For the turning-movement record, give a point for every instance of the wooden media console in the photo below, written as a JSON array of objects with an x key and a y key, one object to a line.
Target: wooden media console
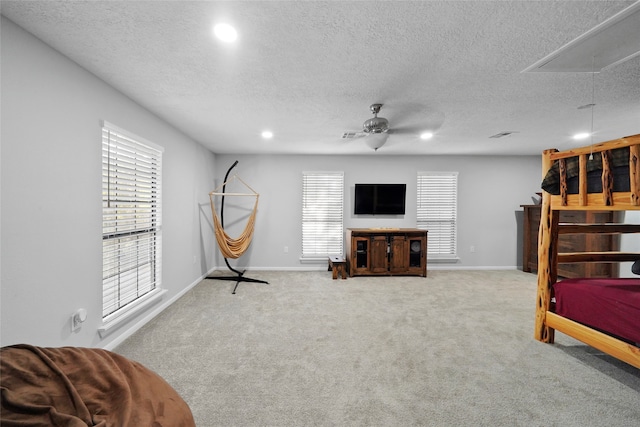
[{"x": 386, "y": 251}]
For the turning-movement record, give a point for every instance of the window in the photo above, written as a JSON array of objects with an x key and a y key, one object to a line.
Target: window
[
  {"x": 322, "y": 212},
  {"x": 437, "y": 212},
  {"x": 131, "y": 222}
]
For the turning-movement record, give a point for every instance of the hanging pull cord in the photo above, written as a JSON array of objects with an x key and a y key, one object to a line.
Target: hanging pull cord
[
  {"x": 593, "y": 100},
  {"x": 230, "y": 247}
]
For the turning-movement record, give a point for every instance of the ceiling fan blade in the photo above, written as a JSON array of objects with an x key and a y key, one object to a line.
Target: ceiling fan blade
[
  {"x": 431, "y": 121},
  {"x": 353, "y": 135},
  {"x": 402, "y": 111}
]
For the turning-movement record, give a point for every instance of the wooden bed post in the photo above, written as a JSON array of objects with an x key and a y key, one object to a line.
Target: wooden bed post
[
  {"x": 607, "y": 179},
  {"x": 547, "y": 258},
  {"x": 562, "y": 166},
  {"x": 582, "y": 176}
]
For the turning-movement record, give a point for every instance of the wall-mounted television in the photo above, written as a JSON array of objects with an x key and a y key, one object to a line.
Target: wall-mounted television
[{"x": 380, "y": 199}]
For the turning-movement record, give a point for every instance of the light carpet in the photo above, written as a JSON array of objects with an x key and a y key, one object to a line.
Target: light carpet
[{"x": 453, "y": 349}]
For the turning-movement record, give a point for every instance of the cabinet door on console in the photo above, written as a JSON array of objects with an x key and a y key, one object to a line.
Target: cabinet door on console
[
  {"x": 417, "y": 247},
  {"x": 360, "y": 255},
  {"x": 379, "y": 259},
  {"x": 399, "y": 254}
]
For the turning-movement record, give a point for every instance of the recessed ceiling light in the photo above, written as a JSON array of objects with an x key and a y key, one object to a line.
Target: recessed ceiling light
[
  {"x": 267, "y": 134},
  {"x": 225, "y": 32},
  {"x": 581, "y": 135},
  {"x": 426, "y": 135}
]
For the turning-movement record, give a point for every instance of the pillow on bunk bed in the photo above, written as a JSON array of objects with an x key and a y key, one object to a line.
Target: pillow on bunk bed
[{"x": 619, "y": 167}]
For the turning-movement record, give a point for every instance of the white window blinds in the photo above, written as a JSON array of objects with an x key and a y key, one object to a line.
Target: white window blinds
[
  {"x": 131, "y": 219},
  {"x": 437, "y": 212},
  {"x": 322, "y": 214}
]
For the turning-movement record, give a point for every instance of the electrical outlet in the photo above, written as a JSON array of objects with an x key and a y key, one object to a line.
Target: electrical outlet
[
  {"x": 75, "y": 323},
  {"x": 472, "y": 249},
  {"x": 286, "y": 249},
  {"x": 77, "y": 318}
]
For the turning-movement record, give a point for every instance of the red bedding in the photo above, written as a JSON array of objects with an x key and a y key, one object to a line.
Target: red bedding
[{"x": 609, "y": 305}]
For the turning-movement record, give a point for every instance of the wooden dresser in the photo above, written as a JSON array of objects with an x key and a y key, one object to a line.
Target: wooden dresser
[{"x": 571, "y": 242}]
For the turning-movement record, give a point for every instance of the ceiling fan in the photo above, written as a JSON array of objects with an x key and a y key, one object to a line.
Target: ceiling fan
[{"x": 377, "y": 129}]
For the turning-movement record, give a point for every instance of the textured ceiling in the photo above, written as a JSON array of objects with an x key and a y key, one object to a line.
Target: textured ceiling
[{"x": 308, "y": 71}]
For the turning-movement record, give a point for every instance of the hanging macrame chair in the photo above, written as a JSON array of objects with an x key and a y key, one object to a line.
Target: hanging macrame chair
[
  {"x": 230, "y": 247},
  {"x": 233, "y": 247}
]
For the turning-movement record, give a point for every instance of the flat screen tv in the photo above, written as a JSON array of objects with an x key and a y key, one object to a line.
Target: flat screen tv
[{"x": 380, "y": 199}]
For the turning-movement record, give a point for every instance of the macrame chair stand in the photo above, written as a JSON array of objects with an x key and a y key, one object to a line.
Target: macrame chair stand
[{"x": 233, "y": 248}]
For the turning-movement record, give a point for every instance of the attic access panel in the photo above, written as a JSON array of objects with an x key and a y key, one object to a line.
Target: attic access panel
[{"x": 609, "y": 43}]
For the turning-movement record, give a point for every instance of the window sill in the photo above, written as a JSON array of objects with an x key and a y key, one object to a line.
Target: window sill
[
  {"x": 314, "y": 260},
  {"x": 119, "y": 318},
  {"x": 443, "y": 260}
]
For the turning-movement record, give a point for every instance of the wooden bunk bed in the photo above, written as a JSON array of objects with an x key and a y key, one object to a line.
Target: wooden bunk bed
[{"x": 569, "y": 184}]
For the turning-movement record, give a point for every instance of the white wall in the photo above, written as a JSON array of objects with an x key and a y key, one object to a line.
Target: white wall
[
  {"x": 487, "y": 217},
  {"x": 51, "y": 196}
]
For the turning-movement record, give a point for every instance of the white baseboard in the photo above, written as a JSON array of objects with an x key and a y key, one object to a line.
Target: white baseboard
[{"x": 471, "y": 267}]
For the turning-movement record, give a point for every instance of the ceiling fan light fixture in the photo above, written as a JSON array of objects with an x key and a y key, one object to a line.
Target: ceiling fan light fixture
[
  {"x": 376, "y": 141},
  {"x": 376, "y": 125}
]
